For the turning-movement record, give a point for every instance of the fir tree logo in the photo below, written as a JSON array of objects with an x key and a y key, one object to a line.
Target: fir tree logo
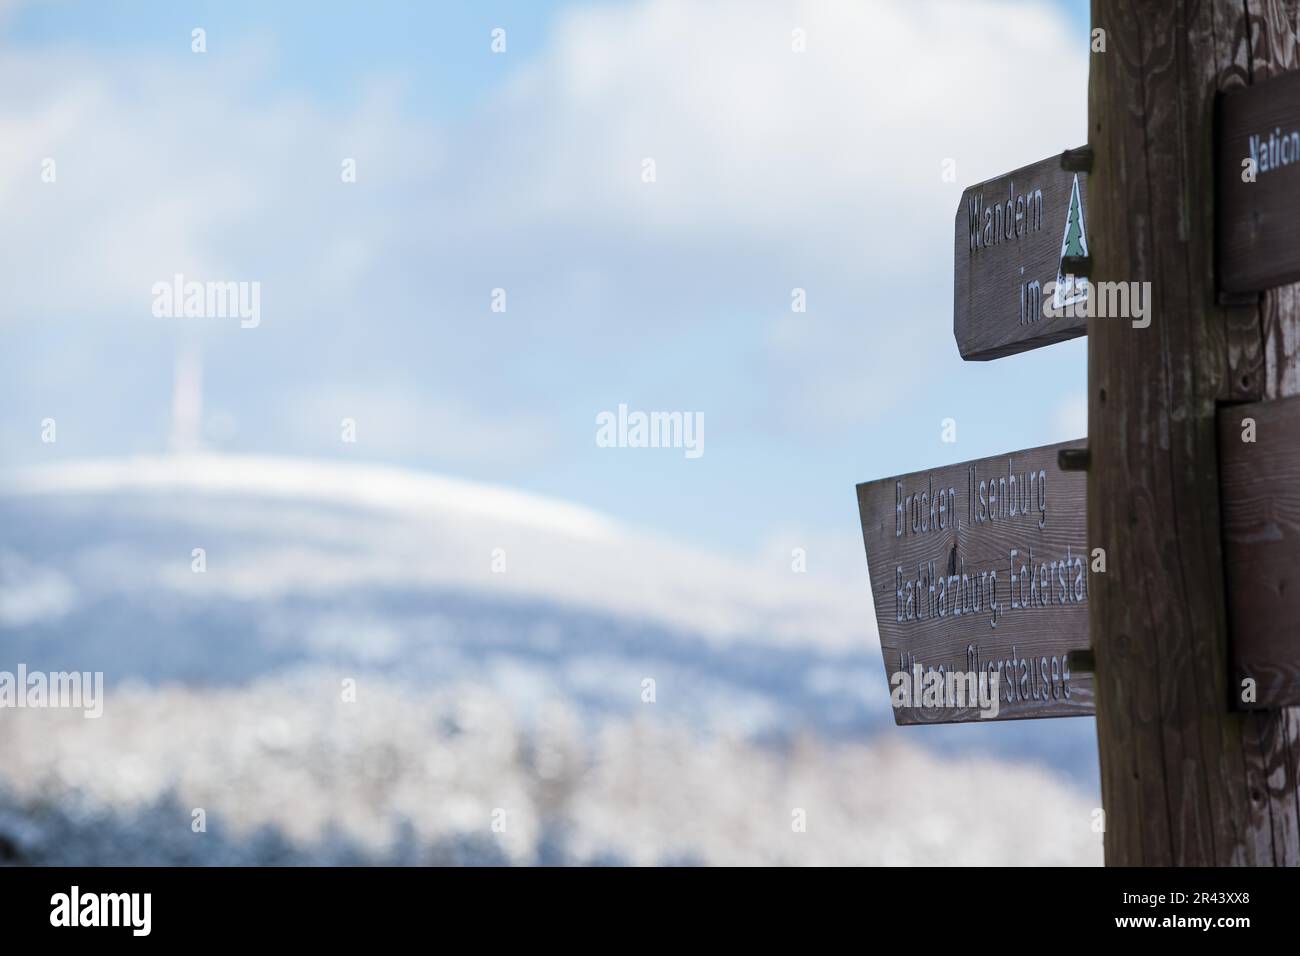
[{"x": 1072, "y": 289}]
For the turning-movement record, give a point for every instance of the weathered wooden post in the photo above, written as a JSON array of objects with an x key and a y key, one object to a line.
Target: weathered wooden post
[{"x": 1187, "y": 777}]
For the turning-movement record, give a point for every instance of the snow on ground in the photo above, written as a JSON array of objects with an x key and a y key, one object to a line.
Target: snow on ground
[
  {"x": 518, "y": 689},
  {"x": 287, "y": 772},
  {"x": 299, "y": 526}
]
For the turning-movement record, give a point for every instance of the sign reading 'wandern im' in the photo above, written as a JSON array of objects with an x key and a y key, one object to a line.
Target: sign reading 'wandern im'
[
  {"x": 1259, "y": 185},
  {"x": 981, "y": 568},
  {"x": 1011, "y": 290}
]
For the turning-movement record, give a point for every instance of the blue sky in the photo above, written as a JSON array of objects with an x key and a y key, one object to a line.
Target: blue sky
[{"x": 521, "y": 170}]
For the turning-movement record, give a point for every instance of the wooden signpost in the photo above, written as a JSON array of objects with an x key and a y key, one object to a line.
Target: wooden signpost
[
  {"x": 1259, "y": 186},
  {"x": 984, "y": 568},
  {"x": 1021, "y": 242},
  {"x": 981, "y": 568}
]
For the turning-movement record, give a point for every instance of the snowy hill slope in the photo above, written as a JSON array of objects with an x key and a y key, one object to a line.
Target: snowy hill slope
[{"x": 439, "y": 598}]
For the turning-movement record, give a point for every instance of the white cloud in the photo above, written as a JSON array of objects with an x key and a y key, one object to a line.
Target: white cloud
[
  {"x": 776, "y": 169},
  {"x": 161, "y": 171},
  {"x": 845, "y": 140}
]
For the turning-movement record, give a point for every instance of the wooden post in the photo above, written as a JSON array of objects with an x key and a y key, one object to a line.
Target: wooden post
[{"x": 1186, "y": 779}]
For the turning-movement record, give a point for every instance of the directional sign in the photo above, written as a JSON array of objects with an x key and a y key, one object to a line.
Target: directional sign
[
  {"x": 1259, "y": 185},
  {"x": 981, "y": 568},
  {"x": 1259, "y": 494},
  {"x": 1012, "y": 235}
]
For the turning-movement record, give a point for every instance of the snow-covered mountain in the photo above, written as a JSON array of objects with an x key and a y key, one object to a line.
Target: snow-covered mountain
[{"x": 533, "y": 682}]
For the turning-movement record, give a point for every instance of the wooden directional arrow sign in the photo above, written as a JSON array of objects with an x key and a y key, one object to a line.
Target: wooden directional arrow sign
[
  {"x": 1259, "y": 185},
  {"x": 1012, "y": 235},
  {"x": 982, "y": 568}
]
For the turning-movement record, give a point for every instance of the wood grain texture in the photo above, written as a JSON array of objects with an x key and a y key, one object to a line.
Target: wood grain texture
[
  {"x": 1260, "y": 489},
  {"x": 942, "y": 548},
  {"x": 1274, "y": 782},
  {"x": 993, "y": 314},
  {"x": 1231, "y": 70},
  {"x": 1185, "y": 779}
]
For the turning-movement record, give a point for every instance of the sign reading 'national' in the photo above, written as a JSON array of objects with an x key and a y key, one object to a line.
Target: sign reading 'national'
[
  {"x": 979, "y": 573},
  {"x": 1016, "y": 236},
  {"x": 1259, "y": 186}
]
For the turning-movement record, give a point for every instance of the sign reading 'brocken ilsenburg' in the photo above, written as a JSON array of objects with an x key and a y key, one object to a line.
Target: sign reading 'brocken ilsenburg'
[
  {"x": 982, "y": 568},
  {"x": 1011, "y": 292}
]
